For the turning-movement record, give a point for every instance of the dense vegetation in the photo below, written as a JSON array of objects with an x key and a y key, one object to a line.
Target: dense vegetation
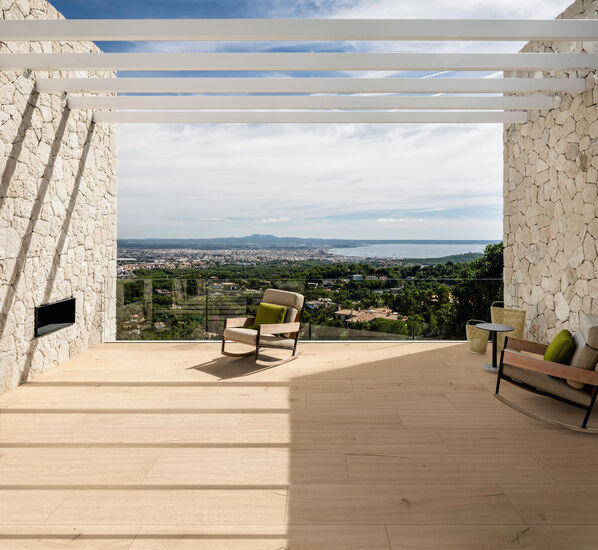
[
  {"x": 313, "y": 270},
  {"x": 431, "y": 301}
]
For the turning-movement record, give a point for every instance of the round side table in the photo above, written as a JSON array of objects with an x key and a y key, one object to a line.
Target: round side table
[{"x": 494, "y": 328}]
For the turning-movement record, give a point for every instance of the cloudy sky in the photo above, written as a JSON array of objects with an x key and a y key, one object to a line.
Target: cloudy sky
[{"x": 352, "y": 180}]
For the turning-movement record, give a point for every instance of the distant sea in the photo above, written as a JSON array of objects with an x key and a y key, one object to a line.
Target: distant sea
[{"x": 409, "y": 250}]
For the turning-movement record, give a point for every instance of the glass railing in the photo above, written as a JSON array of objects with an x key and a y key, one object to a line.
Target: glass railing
[{"x": 335, "y": 309}]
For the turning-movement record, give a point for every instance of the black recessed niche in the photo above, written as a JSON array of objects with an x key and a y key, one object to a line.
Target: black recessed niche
[{"x": 52, "y": 317}]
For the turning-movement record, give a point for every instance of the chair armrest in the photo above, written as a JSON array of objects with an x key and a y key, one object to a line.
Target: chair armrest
[
  {"x": 516, "y": 359},
  {"x": 282, "y": 328},
  {"x": 519, "y": 344},
  {"x": 238, "y": 322}
]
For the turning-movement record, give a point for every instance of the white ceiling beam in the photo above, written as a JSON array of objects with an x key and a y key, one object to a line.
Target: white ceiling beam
[
  {"x": 310, "y": 102},
  {"x": 251, "y": 117},
  {"x": 298, "y": 61},
  {"x": 309, "y": 85},
  {"x": 300, "y": 29}
]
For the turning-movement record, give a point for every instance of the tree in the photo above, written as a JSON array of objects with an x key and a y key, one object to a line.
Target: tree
[
  {"x": 443, "y": 293},
  {"x": 132, "y": 291},
  {"x": 481, "y": 284}
]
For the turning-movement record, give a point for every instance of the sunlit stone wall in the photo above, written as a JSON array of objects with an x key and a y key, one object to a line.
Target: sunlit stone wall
[
  {"x": 551, "y": 201},
  {"x": 57, "y": 212}
]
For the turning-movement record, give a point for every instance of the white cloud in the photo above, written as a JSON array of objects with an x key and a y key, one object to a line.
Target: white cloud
[
  {"x": 446, "y": 9},
  {"x": 173, "y": 181},
  {"x": 282, "y": 219},
  {"x": 400, "y": 220}
]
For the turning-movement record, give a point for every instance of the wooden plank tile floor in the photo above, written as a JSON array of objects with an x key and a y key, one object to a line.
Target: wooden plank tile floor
[{"x": 139, "y": 446}]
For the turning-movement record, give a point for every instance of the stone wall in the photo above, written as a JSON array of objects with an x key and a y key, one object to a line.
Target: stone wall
[
  {"x": 57, "y": 212},
  {"x": 551, "y": 201}
]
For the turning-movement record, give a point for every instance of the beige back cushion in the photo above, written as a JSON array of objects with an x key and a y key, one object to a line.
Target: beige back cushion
[
  {"x": 589, "y": 329},
  {"x": 586, "y": 347},
  {"x": 291, "y": 300},
  {"x": 291, "y": 315}
]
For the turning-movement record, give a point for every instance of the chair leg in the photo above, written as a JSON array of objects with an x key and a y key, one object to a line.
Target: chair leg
[
  {"x": 500, "y": 368},
  {"x": 229, "y": 354},
  {"x": 262, "y": 363},
  {"x": 590, "y": 407},
  {"x": 256, "y": 354},
  {"x": 497, "y": 383}
]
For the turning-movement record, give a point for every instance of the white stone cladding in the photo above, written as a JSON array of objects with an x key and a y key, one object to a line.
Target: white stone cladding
[
  {"x": 551, "y": 201},
  {"x": 57, "y": 212}
]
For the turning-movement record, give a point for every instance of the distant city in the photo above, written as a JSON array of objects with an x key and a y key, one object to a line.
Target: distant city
[
  {"x": 131, "y": 259},
  {"x": 150, "y": 254}
]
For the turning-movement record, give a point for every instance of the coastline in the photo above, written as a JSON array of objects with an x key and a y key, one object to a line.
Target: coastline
[{"x": 409, "y": 250}]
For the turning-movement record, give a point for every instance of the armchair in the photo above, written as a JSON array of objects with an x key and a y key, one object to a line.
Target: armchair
[
  {"x": 278, "y": 336},
  {"x": 574, "y": 385}
]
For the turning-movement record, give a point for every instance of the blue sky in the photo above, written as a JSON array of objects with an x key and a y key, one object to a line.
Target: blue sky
[{"x": 355, "y": 181}]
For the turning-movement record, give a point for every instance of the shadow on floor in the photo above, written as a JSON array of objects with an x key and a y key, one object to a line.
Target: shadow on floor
[
  {"x": 410, "y": 449},
  {"x": 226, "y": 368}
]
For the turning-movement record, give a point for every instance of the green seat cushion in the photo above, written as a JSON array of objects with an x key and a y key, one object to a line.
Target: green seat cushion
[
  {"x": 269, "y": 314},
  {"x": 561, "y": 348}
]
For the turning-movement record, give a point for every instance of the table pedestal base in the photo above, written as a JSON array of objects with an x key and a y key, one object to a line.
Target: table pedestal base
[
  {"x": 489, "y": 368},
  {"x": 494, "y": 329}
]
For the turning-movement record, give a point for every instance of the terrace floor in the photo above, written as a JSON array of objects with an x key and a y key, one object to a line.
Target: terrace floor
[{"x": 352, "y": 446}]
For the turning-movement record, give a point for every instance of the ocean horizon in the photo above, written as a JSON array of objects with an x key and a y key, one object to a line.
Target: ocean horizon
[{"x": 410, "y": 250}]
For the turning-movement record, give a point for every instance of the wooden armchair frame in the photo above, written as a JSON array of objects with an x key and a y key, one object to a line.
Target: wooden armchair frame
[
  {"x": 511, "y": 355},
  {"x": 292, "y": 329}
]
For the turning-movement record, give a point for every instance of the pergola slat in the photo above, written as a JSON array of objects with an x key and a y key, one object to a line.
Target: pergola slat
[
  {"x": 299, "y": 61},
  {"x": 309, "y": 102},
  {"x": 250, "y": 117},
  {"x": 300, "y": 29},
  {"x": 310, "y": 85}
]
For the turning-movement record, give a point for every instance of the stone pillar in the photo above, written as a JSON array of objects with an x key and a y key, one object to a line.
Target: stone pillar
[
  {"x": 551, "y": 200},
  {"x": 57, "y": 212}
]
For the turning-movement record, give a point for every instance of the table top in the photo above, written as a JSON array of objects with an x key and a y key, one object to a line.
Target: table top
[{"x": 495, "y": 327}]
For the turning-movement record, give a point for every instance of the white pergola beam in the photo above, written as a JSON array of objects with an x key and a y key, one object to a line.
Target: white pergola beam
[
  {"x": 300, "y": 29},
  {"x": 309, "y": 85},
  {"x": 298, "y": 61},
  {"x": 309, "y": 102},
  {"x": 252, "y": 117}
]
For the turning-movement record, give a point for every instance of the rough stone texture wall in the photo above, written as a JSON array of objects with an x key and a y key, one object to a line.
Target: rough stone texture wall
[
  {"x": 57, "y": 212},
  {"x": 551, "y": 201}
]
